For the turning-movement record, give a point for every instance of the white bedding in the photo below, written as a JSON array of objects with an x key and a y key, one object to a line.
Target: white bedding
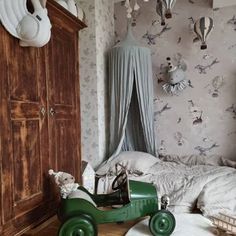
[
  {"x": 186, "y": 225},
  {"x": 192, "y": 181}
]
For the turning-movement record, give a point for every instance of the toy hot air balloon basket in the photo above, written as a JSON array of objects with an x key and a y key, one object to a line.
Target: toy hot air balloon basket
[{"x": 203, "y": 47}]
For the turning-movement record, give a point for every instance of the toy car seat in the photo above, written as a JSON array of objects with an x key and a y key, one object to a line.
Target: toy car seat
[{"x": 120, "y": 196}]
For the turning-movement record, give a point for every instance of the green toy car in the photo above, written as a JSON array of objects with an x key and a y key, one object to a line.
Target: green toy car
[{"x": 81, "y": 215}]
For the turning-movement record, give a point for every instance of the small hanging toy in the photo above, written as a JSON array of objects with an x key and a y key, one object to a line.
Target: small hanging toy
[
  {"x": 176, "y": 81},
  {"x": 129, "y": 8}
]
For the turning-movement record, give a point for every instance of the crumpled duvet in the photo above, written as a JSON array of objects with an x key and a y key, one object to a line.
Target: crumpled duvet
[{"x": 195, "y": 181}]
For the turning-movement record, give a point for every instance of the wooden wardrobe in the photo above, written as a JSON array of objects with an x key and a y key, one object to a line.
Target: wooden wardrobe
[{"x": 39, "y": 121}]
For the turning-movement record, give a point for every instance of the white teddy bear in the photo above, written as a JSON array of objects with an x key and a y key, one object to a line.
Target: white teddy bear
[{"x": 65, "y": 181}]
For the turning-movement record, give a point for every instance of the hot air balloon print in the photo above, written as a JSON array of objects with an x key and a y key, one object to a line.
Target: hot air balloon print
[
  {"x": 160, "y": 9},
  {"x": 202, "y": 28},
  {"x": 168, "y": 4}
]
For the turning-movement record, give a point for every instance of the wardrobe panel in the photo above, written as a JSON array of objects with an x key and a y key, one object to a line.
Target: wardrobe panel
[
  {"x": 27, "y": 159},
  {"x": 24, "y": 75},
  {"x": 62, "y": 79}
]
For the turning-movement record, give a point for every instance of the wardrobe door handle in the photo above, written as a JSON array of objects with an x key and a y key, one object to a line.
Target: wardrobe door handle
[
  {"x": 52, "y": 111},
  {"x": 43, "y": 111}
]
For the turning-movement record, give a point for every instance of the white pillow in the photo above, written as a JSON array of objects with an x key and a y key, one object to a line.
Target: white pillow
[{"x": 131, "y": 160}]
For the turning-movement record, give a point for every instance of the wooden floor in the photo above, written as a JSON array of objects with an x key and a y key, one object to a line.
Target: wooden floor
[{"x": 50, "y": 228}]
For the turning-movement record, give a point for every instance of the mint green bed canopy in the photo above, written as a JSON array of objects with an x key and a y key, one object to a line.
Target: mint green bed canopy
[{"x": 131, "y": 98}]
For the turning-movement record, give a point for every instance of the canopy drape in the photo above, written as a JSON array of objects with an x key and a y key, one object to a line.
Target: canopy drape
[{"x": 131, "y": 98}]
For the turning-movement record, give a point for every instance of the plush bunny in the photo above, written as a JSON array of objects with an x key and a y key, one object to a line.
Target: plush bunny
[{"x": 65, "y": 181}]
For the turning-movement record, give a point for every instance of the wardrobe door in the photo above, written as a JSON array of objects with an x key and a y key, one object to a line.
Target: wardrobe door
[
  {"x": 24, "y": 144},
  {"x": 63, "y": 93}
]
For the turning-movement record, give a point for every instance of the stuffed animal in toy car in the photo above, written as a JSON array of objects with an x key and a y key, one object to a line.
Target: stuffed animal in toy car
[
  {"x": 65, "y": 181},
  {"x": 176, "y": 81}
]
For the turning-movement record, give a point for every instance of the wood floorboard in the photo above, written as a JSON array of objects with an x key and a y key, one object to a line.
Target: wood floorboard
[{"x": 103, "y": 230}]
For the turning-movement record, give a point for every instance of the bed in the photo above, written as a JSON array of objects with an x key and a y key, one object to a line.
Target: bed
[{"x": 206, "y": 184}]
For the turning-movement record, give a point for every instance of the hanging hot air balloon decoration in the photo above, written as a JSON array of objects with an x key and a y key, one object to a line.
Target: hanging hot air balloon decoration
[
  {"x": 202, "y": 28},
  {"x": 168, "y": 5},
  {"x": 164, "y": 8}
]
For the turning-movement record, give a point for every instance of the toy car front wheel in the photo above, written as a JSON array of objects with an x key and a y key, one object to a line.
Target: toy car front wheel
[
  {"x": 78, "y": 226},
  {"x": 162, "y": 223}
]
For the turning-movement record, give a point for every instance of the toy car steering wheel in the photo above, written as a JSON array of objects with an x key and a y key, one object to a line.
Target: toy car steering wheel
[{"x": 119, "y": 181}]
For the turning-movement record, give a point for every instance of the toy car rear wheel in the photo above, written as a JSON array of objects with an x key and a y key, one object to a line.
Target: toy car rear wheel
[
  {"x": 162, "y": 223},
  {"x": 78, "y": 226}
]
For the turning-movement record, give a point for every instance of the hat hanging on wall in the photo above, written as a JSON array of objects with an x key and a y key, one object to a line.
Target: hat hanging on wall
[
  {"x": 69, "y": 5},
  {"x": 203, "y": 28},
  {"x": 73, "y": 7}
]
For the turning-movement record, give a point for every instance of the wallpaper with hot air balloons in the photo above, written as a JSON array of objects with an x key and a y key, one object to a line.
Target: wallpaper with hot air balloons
[{"x": 201, "y": 119}]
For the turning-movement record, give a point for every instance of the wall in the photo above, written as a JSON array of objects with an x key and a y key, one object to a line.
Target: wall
[
  {"x": 202, "y": 119},
  {"x": 94, "y": 43},
  {"x": 105, "y": 40},
  {"x": 223, "y": 3}
]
